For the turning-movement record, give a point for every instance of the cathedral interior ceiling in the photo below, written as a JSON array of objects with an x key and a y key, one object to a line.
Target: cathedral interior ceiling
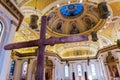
[{"x": 107, "y": 33}]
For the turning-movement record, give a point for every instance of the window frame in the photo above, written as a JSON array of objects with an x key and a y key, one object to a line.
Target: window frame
[
  {"x": 2, "y": 30},
  {"x": 93, "y": 70},
  {"x": 66, "y": 71},
  {"x": 12, "y": 69},
  {"x": 79, "y": 65},
  {"x": 22, "y": 71}
]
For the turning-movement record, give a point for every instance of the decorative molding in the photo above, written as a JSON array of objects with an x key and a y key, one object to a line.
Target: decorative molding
[
  {"x": 112, "y": 47},
  {"x": 13, "y": 10}
]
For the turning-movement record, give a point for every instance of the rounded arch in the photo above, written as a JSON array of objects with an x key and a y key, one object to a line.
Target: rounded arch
[{"x": 3, "y": 23}]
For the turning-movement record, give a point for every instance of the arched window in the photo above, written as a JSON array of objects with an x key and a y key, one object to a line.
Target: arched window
[
  {"x": 12, "y": 68},
  {"x": 66, "y": 71},
  {"x": 93, "y": 70},
  {"x": 79, "y": 70},
  {"x": 1, "y": 30},
  {"x": 24, "y": 69}
]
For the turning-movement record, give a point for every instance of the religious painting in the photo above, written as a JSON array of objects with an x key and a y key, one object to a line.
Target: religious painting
[
  {"x": 90, "y": 23},
  {"x": 113, "y": 71},
  {"x": 59, "y": 27},
  {"x": 112, "y": 66},
  {"x": 74, "y": 29},
  {"x": 48, "y": 73},
  {"x": 49, "y": 70}
]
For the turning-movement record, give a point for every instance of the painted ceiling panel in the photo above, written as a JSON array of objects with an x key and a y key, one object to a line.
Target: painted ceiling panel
[
  {"x": 41, "y": 4},
  {"x": 116, "y": 8}
]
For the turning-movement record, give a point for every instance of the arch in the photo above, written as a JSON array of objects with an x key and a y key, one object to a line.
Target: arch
[
  {"x": 2, "y": 28},
  {"x": 12, "y": 68},
  {"x": 3, "y": 24}
]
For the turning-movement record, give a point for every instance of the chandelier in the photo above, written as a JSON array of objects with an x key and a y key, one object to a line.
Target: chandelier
[{"x": 34, "y": 18}]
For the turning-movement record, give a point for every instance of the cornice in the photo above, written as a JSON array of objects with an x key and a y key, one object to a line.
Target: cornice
[
  {"x": 13, "y": 10},
  {"x": 101, "y": 51},
  {"x": 109, "y": 48}
]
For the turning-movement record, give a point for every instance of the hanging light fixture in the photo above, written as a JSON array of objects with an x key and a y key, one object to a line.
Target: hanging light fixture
[
  {"x": 94, "y": 36},
  {"x": 118, "y": 43},
  {"x": 34, "y": 18},
  {"x": 103, "y": 10}
]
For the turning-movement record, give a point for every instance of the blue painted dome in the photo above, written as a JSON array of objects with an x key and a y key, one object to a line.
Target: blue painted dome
[{"x": 71, "y": 9}]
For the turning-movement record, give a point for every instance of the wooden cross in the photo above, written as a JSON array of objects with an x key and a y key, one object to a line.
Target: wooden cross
[{"x": 41, "y": 43}]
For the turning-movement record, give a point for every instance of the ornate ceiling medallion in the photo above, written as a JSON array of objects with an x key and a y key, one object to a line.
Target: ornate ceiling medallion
[{"x": 71, "y": 10}]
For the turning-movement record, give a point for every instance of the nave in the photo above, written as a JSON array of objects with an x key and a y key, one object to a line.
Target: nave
[
  {"x": 95, "y": 57},
  {"x": 105, "y": 67}
]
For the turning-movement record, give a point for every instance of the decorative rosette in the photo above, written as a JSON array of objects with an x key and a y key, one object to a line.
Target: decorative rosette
[{"x": 71, "y": 9}]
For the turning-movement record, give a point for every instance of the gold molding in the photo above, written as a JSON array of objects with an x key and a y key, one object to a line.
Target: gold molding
[{"x": 112, "y": 47}]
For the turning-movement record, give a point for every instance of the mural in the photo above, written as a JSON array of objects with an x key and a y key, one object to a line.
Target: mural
[
  {"x": 112, "y": 66},
  {"x": 90, "y": 23},
  {"x": 74, "y": 29},
  {"x": 58, "y": 27},
  {"x": 113, "y": 71},
  {"x": 49, "y": 70}
]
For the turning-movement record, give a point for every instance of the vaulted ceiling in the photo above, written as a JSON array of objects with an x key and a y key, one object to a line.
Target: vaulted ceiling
[{"x": 108, "y": 30}]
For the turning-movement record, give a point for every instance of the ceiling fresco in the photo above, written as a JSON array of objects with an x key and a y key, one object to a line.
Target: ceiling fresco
[{"x": 107, "y": 30}]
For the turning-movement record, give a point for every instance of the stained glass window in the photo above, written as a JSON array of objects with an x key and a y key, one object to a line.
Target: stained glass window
[
  {"x": 24, "y": 69},
  {"x": 79, "y": 69},
  {"x": 1, "y": 29},
  {"x": 12, "y": 68},
  {"x": 93, "y": 70},
  {"x": 71, "y": 9},
  {"x": 66, "y": 71}
]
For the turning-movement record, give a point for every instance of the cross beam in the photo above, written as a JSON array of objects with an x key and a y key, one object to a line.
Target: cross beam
[
  {"x": 41, "y": 43},
  {"x": 50, "y": 41}
]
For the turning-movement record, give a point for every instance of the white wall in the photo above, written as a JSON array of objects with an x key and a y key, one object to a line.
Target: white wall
[
  {"x": 59, "y": 68},
  {"x": 10, "y": 29}
]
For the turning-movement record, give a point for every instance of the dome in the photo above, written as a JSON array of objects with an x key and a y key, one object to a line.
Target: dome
[{"x": 75, "y": 18}]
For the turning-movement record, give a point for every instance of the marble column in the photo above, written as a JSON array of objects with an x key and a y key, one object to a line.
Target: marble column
[
  {"x": 30, "y": 68},
  {"x": 18, "y": 69}
]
